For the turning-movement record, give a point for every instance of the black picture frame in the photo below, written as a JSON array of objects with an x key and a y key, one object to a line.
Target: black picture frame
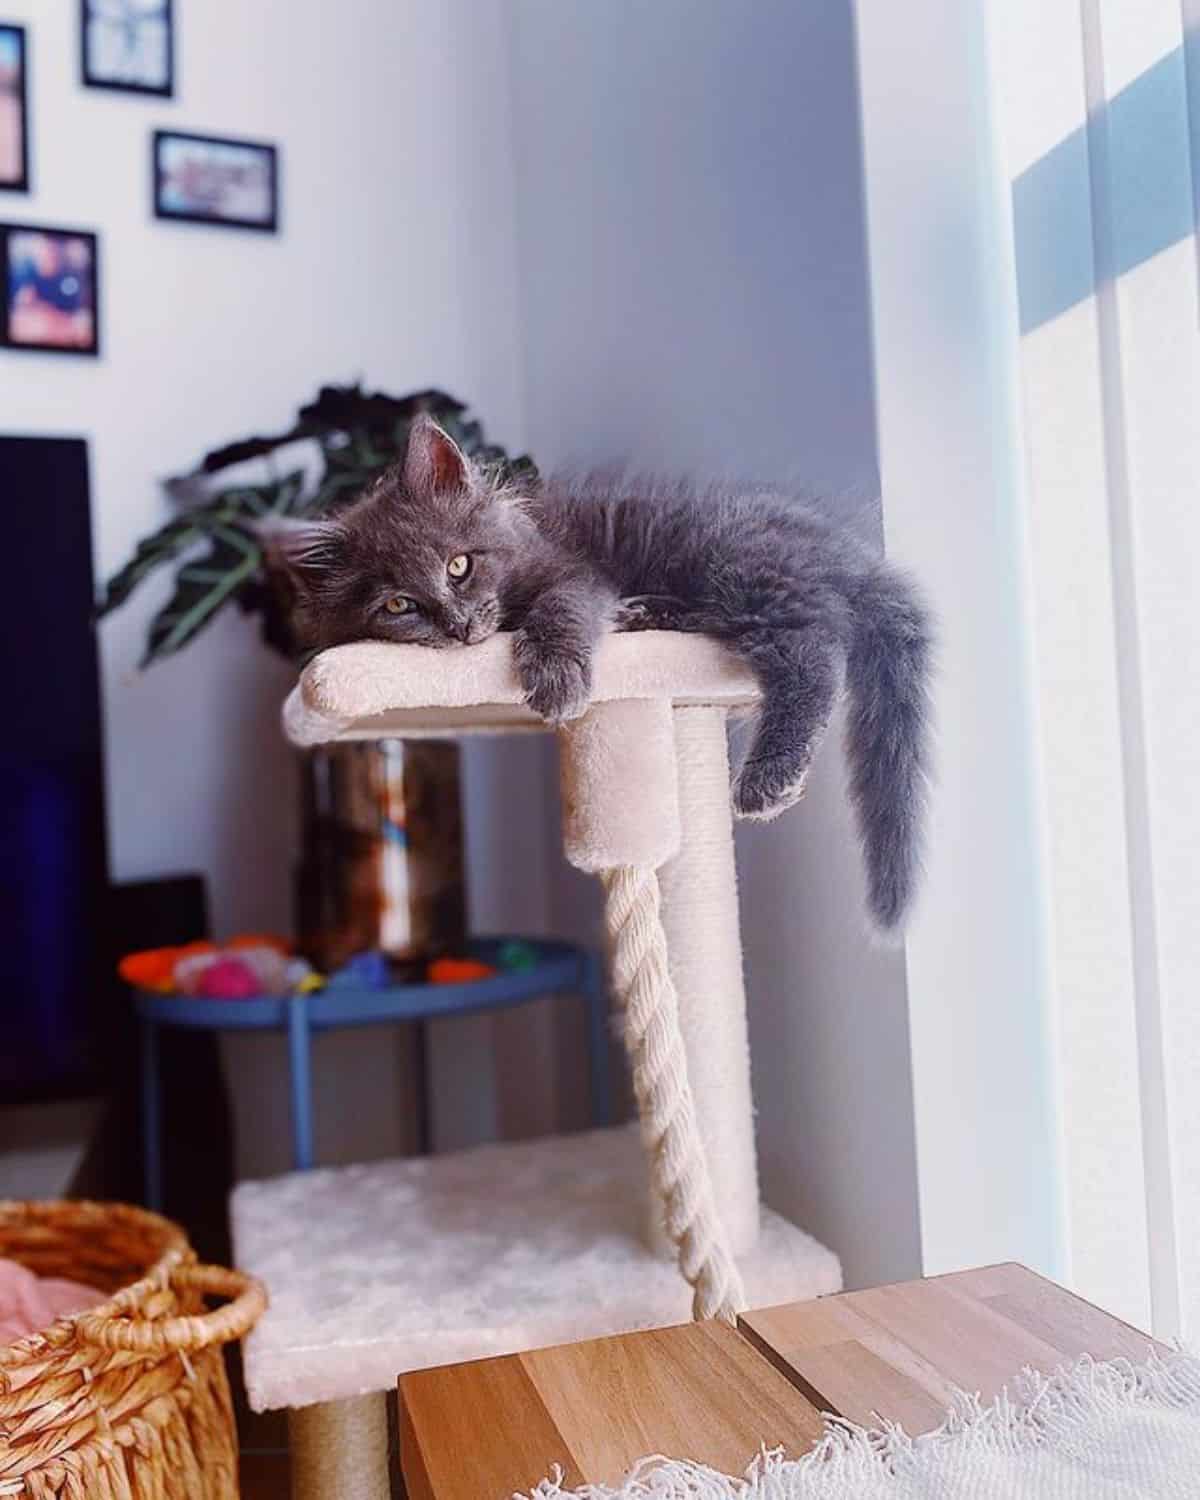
[
  {"x": 164, "y": 211},
  {"x": 92, "y": 80},
  {"x": 7, "y": 342},
  {"x": 20, "y": 184}
]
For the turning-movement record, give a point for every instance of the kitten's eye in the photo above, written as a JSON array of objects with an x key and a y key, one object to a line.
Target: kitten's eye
[
  {"x": 399, "y": 604},
  {"x": 459, "y": 567}
]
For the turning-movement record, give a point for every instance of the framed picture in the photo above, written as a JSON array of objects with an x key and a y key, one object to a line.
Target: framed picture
[
  {"x": 14, "y": 109},
  {"x": 205, "y": 179},
  {"x": 50, "y": 282},
  {"x": 129, "y": 45}
]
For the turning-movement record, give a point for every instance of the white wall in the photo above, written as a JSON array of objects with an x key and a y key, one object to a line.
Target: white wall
[
  {"x": 694, "y": 296},
  {"x": 396, "y": 264}
]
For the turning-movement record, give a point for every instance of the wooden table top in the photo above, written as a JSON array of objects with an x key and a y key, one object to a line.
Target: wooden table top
[{"x": 495, "y": 1427}]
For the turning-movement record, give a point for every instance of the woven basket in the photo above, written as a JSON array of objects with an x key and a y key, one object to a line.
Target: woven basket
[{"x": 129, "y": 1400}]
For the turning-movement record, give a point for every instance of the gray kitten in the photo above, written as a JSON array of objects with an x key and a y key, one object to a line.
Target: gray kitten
[{"x": 435, "y": 554}]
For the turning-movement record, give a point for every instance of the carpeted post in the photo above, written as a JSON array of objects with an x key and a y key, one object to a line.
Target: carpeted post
[{"x": 620, "y": 799}]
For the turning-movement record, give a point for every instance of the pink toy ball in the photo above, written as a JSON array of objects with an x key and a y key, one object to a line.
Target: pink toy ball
[{"x": 228, "y": 979}]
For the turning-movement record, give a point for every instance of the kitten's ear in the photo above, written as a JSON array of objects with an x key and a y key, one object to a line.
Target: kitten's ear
[{"x": 434, "y": 463}]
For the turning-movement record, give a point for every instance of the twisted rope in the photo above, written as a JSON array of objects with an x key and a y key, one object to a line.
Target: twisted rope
[{"x": 678, "y": 1166}]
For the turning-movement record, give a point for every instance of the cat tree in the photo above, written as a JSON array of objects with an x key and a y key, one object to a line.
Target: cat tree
[{"x": 645, "y": 783}]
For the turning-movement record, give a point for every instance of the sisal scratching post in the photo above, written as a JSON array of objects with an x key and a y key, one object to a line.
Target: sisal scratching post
[{"x": 340, "y": 1449}]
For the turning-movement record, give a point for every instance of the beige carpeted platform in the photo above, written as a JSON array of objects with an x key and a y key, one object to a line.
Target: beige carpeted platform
[
  {"x": 372, "y": 689},
  {"x": 398, "y": 1265}
]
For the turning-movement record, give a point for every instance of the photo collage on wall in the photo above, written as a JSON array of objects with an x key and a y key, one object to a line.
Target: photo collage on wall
[
  {"x": 50, "y": 274},
  {"x": 14, "y": 110}
]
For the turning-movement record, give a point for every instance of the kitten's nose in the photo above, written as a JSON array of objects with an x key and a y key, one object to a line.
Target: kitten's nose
[{"x": 460, "y": 630}]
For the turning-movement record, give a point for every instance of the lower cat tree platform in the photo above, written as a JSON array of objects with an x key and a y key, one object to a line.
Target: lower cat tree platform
[
  {"x": 377, "y": 1269},
  {"x": 399, "y": 1265}
]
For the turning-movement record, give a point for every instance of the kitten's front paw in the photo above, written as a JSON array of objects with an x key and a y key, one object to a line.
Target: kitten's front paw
[{"x": 557, "y": 687}]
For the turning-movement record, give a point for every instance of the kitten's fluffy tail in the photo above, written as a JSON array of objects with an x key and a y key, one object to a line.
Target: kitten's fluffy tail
[{"x": 887, "y": 738}]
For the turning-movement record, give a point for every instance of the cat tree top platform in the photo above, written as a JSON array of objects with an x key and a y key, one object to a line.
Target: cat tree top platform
[
  {"x": 398, "y": 1265},
  {"x": 371, "y": 690}
]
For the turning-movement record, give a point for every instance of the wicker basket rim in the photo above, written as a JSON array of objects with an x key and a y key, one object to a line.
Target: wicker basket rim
[
  {"x": 89, "y": 1213},
  {"x": 130, "y": 1397}
]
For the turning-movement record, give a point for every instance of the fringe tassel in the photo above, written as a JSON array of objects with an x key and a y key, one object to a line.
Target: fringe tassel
[{"x": 1066, "y": 1416}]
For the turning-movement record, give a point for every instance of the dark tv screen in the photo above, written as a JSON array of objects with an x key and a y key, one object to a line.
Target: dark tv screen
[{"x": 53, "y": 862}]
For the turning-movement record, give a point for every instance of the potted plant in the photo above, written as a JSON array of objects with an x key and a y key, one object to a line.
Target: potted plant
[{"x": 382, "y": 865}]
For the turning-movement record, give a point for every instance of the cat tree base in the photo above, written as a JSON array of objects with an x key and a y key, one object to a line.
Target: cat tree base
[
  {"x": 393, "y": 1266},
  {"x": 399, "y": 1265}
]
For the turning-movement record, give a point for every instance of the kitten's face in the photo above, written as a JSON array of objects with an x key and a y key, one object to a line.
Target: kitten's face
[{"x": 421, "y": 558}]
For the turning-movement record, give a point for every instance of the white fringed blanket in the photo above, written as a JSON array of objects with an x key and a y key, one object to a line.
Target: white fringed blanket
[{"x": 1111, "y": 1431}]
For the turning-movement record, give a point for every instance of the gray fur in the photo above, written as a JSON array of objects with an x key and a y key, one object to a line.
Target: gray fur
[{"x": 805, "y": 605}]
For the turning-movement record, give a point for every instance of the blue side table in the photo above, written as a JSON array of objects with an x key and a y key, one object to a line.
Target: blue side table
[{"x": 558, "y": 968}]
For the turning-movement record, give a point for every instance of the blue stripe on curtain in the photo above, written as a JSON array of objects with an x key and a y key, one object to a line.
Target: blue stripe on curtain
[{"x": 1148, "y": 131}]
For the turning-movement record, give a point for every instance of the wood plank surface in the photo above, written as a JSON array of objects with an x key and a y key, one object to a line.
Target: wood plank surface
[
  {"x": 898, "y": 1352},
  {"x": 497, "y": 1426}
]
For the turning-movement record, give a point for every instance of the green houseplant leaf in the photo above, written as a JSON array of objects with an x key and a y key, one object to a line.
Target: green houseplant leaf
[
  {"x": 228, "y": 508},
  {"x": 233, "y": 558},
  {"x": 201, "y": 588}
]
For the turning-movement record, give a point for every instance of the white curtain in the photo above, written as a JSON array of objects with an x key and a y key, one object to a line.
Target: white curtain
[
  {"x": 1096, "y": 112},
  {"x": 1031, "y": 190}
]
